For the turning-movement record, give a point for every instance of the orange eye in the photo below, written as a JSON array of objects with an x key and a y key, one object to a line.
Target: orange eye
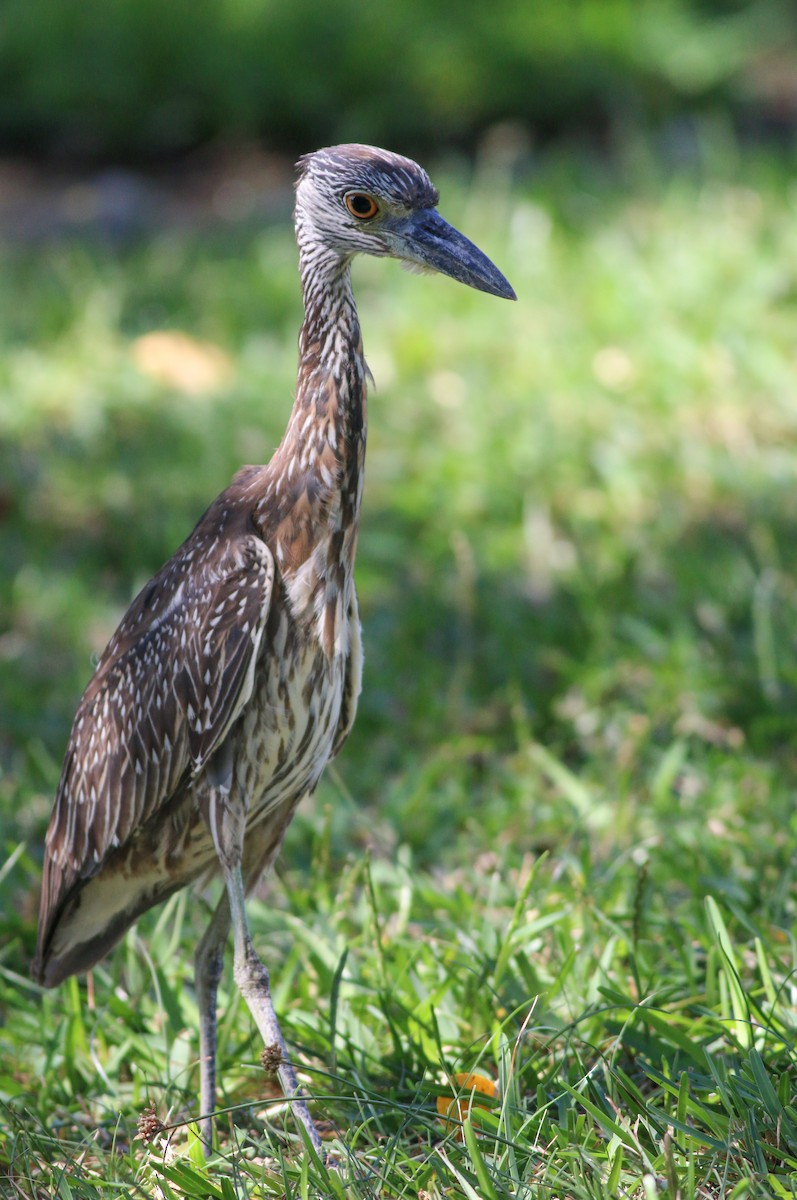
[{"x": 362, "y": 206}]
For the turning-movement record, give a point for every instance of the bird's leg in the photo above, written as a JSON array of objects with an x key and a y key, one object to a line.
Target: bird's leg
[
  {"x": 252, "y": 979},
  {"x": 224, "y": 810},
  {"x": 208, "y": 964}
]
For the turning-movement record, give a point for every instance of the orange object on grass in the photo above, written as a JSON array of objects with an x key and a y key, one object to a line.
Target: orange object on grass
[{"x": 454, "y": 1111}]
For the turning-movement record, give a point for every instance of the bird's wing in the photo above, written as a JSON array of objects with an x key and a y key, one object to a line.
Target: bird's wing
[{"x": 172, "y": 681}]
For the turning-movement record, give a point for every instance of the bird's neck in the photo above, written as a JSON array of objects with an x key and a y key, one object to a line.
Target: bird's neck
[{"x": 311, "y": 512}]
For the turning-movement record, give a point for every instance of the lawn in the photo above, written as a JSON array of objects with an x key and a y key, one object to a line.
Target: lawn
[{"x": 557, "y": 850}]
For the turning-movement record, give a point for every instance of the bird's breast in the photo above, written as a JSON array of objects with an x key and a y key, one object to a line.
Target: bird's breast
[
  {"x": 288, "y": 728},
  {"x": 318, "y": 593}
]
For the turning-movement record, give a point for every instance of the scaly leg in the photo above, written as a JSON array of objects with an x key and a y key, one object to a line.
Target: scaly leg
[
  {"x": 225, "y": 813},
  {"x": 208, "y": 964},
  {"x": 252, "y": 979}
]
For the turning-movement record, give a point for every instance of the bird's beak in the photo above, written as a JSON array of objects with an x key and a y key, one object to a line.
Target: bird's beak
[{"x": 427, "y": 241}]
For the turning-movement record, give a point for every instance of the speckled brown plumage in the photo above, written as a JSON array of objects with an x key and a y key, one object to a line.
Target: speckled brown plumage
[{"x": 234, "y": 676}]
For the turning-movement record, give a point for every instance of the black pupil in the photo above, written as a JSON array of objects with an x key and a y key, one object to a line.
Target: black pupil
[{"x": 363, "y": 205}]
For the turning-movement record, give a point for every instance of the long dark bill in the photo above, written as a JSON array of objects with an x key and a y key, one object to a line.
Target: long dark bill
[{"x": 431, "y": 242}]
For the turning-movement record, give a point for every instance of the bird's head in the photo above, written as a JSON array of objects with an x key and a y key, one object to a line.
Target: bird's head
[{"x": 355, "y": 199}]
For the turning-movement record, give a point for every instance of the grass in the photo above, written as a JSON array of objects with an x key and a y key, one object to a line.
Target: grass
[{"x": 558, "y": 849}]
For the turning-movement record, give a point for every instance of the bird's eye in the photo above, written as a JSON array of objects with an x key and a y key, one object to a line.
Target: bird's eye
[{"x": 362, "y": 206}]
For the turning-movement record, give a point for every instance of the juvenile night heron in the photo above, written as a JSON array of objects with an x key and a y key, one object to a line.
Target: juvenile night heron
[{"x": 234, "y": 675}]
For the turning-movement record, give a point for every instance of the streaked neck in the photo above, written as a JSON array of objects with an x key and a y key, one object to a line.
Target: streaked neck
[{"x": 316, "y": 474}]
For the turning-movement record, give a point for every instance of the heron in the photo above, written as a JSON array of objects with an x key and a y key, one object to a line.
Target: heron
[{"x": 234, "y": 676}]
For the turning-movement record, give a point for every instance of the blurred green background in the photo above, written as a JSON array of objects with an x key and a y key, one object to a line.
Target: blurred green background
[
  {"x": 530, "y": 481},
  {"x": 546, "y": 491},
  {"x": 578, "y": 558},
  {"x": 132, "y": 79}
]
